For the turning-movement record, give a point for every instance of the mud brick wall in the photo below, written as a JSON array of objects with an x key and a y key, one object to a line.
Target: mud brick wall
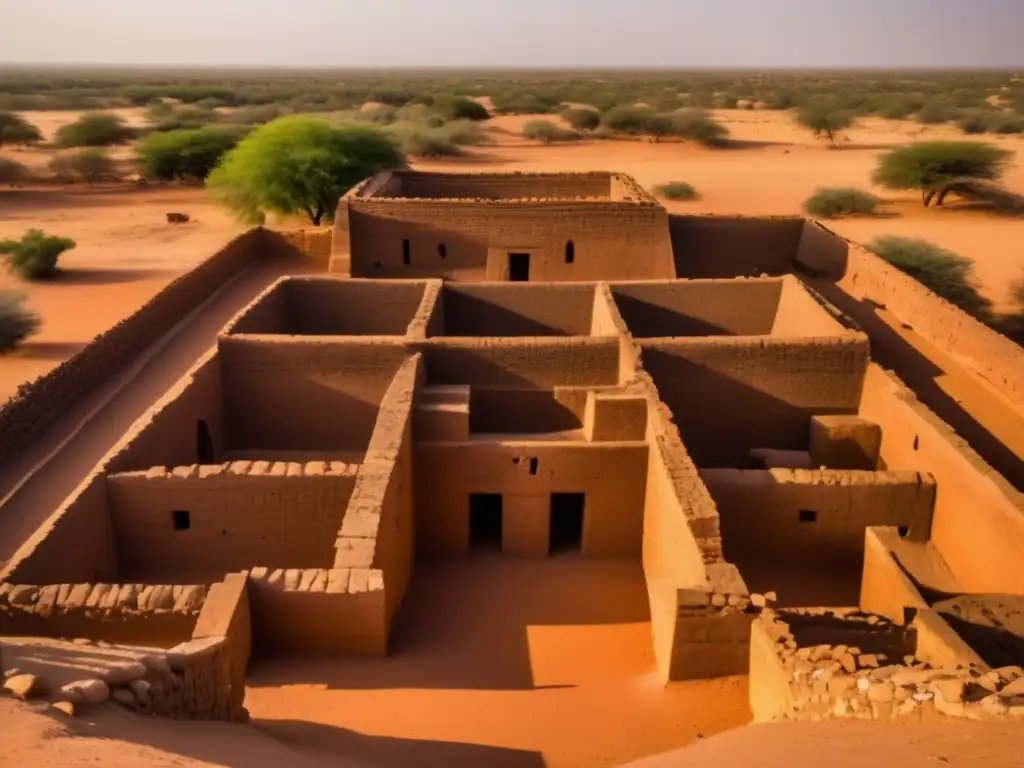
[
  {"x": 331, "y": 612},
  {"x": 770, "y": 511},
  {"x": 139, "y": 614},
  {"x": 800, "y": 314},
  {"x": 978, "y": 524},
  {"x": 734, "y": 246},
  {"x": 282, "y": 513},
  {"x": 38, "y": 404},
  {"x": 497, "y": 186},
  {"x": 517, "y": 310},
  {"x": 754, "y": 393},
  {"x": 611, "y": 240},
  {"x": 226, "y": 613},
  {"x": 202, "y": 687},
  {"x": 315, "y": 244},
  {"x": 277, "y": 391},
  {"x": 867, "y": 278}
]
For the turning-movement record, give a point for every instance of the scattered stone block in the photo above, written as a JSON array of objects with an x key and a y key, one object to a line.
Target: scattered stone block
[
  {"x": 65, "y": 707},
  {"x": 123, "y": 674},
  {"x": 26, "y": 686},
  {"x": 124, "y": 697},
  {"x": 92, "y": 691}
]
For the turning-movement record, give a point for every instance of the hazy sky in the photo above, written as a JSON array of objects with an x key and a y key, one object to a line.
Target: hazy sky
[{"x": 509, "y": 33}]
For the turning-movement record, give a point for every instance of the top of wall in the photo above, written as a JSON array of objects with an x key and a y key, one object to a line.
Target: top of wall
[{"x": 422, "y": 186}]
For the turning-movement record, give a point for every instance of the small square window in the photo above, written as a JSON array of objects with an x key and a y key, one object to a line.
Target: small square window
[
  {"x": 808, "y": 516},
  {"x": 181, "y": 519}
]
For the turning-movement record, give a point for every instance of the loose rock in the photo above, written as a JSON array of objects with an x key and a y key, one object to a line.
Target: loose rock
[
  {"x": 124, "y": 697},
  {"x": 92, "y": 691},
  {"x": 64, "y": 707},
  {"x": 27, "y": 686}
]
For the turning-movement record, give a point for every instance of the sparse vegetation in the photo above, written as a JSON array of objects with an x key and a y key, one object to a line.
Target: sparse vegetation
[
  {"x": 35, "y": 256},
  {"x": 697, "y": 125},
  {"x": 428, "y": 139},
  {"x": 934, "y": 167},
  {"x": 824, "y": 118},
  {"x": 833, "y": 202},
  {"x": 184, "y": 155},
  {"x": 16, "y": 322},
  {"x": 676, "y": 190},
  {"x": 95, "y": 129},
  {"x": 548, "y": 131},
  {"x": 14, "y": 129},
  {"x": 300, "y": 165},
  {"x": 90, "y": 165},
  {"x": 460, "y": 108},
  {"x": 935, "y": 113},
  {"x": 943, "y": 272}
]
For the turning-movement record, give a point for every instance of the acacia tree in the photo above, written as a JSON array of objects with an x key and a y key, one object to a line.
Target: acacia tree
[
  {"x": 14, "y": 129},
  {"x": 185, "y": 154},
  {"x": 824, "y": 118},
  {"x": 300, "y": 164},
  {"x": 935, "y": 167}
]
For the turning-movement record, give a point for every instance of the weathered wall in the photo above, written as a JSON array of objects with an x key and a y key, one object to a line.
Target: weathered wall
[
  {"x": 75, "y": 544},
  {"x": 884, "y": 587},
  {"x": 167, "y": 435},
  {"x": 499, "y": 186},
  {"x": 226, "y": 614},
  {"x": 522, "y": 411},
  {"x": 335, "y": 612},
  {"x": 517, "y": 310},
  {"x": 869, "y": 278},
  {"x": 25, "y": 416},
  {"x": 800, "y": 315},
  {"x": 524, "y": 363},
  {"x": 282, "y": 513},
  {"x": 734, "y": 246},
  {"x": 314, "y": 244},
  {"x": 612, "y": 475},
  {"x": 308, "y": 394},
  {"x": 133, "y": 614},
  {"x": 763, "y": 512},
  {"x": 611, "y": 240},
  {"x": 754, "y": 393},
  {"x": 330, "y": 306},
  {"x": 699, "y": 308},
  {"x": 978, "y": 525}
]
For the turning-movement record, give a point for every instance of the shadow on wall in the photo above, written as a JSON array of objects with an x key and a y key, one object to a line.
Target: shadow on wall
[
  {"x": 727, "y": 247},
  {"x": 463, "y": 623},
  {"x": 893, "y": 352}
]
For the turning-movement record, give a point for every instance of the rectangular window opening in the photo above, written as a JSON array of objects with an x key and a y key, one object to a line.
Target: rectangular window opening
[
  {"x": 566, "y": 522},
  {"x": 808, "y": 516},
  {"x": 406, "y": 252},
  {"x": 485, "y": 521},
  {"x": 181, "y": 519}
]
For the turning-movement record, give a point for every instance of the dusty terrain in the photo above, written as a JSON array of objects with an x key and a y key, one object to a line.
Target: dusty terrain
[{"x": 127, "y": 252}]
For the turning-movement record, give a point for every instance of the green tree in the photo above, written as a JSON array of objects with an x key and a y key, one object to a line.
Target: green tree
[
  {"x": 824, "y": 118},
  {"x": 187, "y": 154},
  {"x": 95, "y": 129},
  {"x": 583, "y": 119},
  {"x": 934, "y": 166},
  {"x": 300, "y": 164},
  {"x": 14, "y": 129},
  {"x": 35, "y": 256},
  {"x": 16, "y": 322}
]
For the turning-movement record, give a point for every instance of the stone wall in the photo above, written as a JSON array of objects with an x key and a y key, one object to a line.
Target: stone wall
[
  {"x": 37, "y": 405},
  {"x": 852, "y": 665},
  {"x": 277, "y": 512},
  {"x": 139, "y": 614}
]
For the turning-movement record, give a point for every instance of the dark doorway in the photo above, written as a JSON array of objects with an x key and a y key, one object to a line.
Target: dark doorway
[
  {"x": 519, "y": 267},
  {"x": 566, "y": 522},
  {"x": 485, "y": 521},
  {"x": 204, "y": 444}
]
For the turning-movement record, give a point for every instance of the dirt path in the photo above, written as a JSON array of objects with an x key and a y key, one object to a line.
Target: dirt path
[{"x": 34, "y": 485}]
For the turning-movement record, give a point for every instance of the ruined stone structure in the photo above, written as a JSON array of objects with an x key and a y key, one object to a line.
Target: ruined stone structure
[{"x": 540, "y": 365}]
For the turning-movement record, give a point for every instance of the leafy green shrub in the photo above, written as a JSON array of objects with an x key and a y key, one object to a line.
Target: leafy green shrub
[
  {"x": 832, "y": 202},
  {"x": 14, "y": 129},
  {"x": 930, "y": 166},
  {"x": 944, "y": 273},
  {"x": 426, "y": 140},
  {"x": 300, "y": 164},
  {"x": 16, "y": 322},
  {"x": 897, "y": 107},
  {"x": 12, "y": 172},
  {"x": 186, "y": 118},
  {"x": 1007, "y": 124},
  {"x": 632, "y": 120},
  {"x": 35, "y": 256},
  {"x": 254, "y": 115},
  {"x": 184, "y": 154},
  {"x": 934, "y": 113},
  {"x": 824, "y": 118},
  {"x": 974, "y": 122},
  {"x": 460, "y": 108},
  {"x": 676, "y": 190},
  {"x": 697, "y": 125},
  {"x": 547, "y": 131},
  {"x": 95, "y": 129},
  {"x": 381, "y": 114},
  {"x": 583, "y": 119}
]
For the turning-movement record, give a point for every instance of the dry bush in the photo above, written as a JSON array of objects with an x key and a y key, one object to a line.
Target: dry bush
[
  {"x": 548, "y": 132},
  {"x": 35, "y": 256},
  {"x": 833, "y": 202},
  {"x": 676, "y": 190},
  {"x": 12, "y": 172}
]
